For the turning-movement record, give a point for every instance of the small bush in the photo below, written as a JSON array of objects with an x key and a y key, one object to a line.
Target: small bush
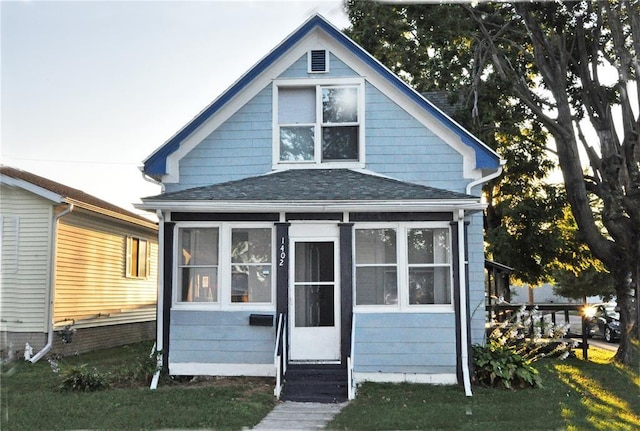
[
  {"x": 84, "y": 379},
  {"x": 500, "y": 365},
  {"x": 505, "y": 360}
]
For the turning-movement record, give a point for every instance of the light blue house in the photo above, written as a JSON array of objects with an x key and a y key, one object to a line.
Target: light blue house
[{"x": 320, "y": 220}]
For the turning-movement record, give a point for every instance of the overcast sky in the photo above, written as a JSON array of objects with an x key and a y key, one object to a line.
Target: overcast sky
[{"x": 90, "y": 89}]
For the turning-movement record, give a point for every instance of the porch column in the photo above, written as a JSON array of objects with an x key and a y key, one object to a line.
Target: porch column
[
  {"x": 282, "y": 268},
  {"x": 164, "y": 315},
  {"x": 346, "y": 287}
]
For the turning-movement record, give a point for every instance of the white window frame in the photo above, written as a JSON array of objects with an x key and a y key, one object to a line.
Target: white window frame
[
  {"x": 402, "y": 262},
  {"x": 224, "y": 268},
  {"x": 129, "y": 257},
  {"x": 317, "y": 162}
]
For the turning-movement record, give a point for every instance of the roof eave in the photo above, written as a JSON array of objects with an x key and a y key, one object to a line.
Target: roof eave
[
  {"x": 313, "y": 206},
  {"x": 30, "y": 187},
  {"x": 112, "y": 214}
]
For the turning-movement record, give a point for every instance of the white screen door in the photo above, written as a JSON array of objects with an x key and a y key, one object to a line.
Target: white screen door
[{"x": 314, "y": 301}]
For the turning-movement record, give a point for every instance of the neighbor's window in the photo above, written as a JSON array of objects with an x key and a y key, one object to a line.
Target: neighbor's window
[
  {"x": 376, "y": 267},
  {"x": 403, "y": 266},
  {"x": 251, "y": 265},
  {"x": 198, "y": 265},
  {"x": 319, "y": 124},
  {"x": 137, "y": 258}
]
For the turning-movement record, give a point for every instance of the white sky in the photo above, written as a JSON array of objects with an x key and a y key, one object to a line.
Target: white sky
[{"x": 90, "y": 89}]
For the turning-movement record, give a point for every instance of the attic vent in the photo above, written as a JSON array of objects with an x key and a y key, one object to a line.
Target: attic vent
[{"x": 318, "y": 61}]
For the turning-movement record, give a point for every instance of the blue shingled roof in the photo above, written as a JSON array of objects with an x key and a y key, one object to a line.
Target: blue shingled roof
[
  {"x": 308, "y": 185},
  {"x": 155, "y": 165}
]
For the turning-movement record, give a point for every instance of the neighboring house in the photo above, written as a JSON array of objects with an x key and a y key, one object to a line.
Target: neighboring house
[
  {"x": 78, "y": 273},
  {"x": 543, "y": 294},
  {"x": 322, "y": 191}
]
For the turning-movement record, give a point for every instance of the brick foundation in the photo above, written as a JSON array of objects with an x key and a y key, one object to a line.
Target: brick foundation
[{"x": 83, "y": 340}]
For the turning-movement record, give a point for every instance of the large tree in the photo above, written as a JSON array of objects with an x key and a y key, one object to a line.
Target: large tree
[
  {"x": 435, "y": 49},
  {"x": 549, "y": 60},
  {"x": 569, "y": 48}
]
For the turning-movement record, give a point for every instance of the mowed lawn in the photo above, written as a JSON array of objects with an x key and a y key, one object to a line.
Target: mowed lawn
[{"x": 577, "y": 395}]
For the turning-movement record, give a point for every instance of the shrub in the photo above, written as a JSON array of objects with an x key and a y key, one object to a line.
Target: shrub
[
  {"x": 83, "y": 379},
  {"x": 501, "y": 365},
  {"x": 505, "y": 360}
]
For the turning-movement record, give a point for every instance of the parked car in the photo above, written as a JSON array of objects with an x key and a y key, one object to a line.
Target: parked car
[{"x": 603, "y": 320}]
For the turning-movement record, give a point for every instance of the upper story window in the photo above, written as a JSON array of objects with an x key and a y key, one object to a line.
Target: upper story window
[{"x": 319, "y": 124}]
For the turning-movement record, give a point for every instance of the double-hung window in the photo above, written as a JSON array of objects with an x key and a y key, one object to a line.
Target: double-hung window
[
  {"x": 319, "y": 124},
  {"x": 429, "y": 266},
  {"x": 251, "y": 265},
  {"x": 228, "y": 265},
  {"x": 403, "y": 266},
  {"x": 376, "y": 267},
  {"x": 198, "y": 263}
]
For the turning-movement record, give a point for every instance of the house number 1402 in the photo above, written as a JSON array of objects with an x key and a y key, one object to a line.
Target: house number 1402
[{"x": 283, "y": 253}]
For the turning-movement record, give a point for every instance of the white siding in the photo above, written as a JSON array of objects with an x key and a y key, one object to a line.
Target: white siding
[
  {"x": 91, "y": 285},
  {"x": 24, "y": 280}
]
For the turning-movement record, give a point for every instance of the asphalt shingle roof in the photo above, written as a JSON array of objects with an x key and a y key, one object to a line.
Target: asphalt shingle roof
[{"x": 313, "y": 185}]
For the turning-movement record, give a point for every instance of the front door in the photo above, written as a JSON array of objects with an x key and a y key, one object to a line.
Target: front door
[{"x": 314, "y": 296}]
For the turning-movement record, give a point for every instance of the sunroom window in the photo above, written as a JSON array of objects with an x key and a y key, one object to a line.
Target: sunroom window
[
  {"x": 251, "y": 265},
  {"x": 228, "y": 265},
  {"x": 319, "y": 124},
  {"x": 198, "y": 265},
  {"x": 403, "y": 266},
  {"x": 376, "y": 267},
  {"x": 429, "y": 266}
]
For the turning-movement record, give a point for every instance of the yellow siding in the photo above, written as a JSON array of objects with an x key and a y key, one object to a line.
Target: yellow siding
[
  {"x": 24, "y": 276},
  {"x": 91, "y": 286}
]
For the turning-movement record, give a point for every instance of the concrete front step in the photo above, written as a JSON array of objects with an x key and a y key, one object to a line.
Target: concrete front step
[{"x": 299, "y": 416}]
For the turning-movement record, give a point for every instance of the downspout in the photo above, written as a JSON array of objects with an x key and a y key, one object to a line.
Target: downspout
[
  {"x": 464, "y": 341},
  {"x": 464, "y": 323},
  {"x": 160, "y": 301},
  {"x": 52, "y": 283},
  {"x": 489, "y": 177}
]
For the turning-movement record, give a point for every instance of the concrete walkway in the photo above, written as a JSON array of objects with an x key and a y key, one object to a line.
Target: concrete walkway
[{"x": 290, "y": 415}]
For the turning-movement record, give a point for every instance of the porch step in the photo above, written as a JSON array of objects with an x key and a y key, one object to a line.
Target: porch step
[{"x": 315, "y": 383}]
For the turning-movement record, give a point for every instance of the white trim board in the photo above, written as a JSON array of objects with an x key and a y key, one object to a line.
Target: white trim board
[
  {"x": 432, "y": 379},
  {"x": 205, "y": 369}
]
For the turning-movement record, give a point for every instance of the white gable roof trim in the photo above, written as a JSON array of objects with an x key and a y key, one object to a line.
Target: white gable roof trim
[{"x": 156, "y": 166}]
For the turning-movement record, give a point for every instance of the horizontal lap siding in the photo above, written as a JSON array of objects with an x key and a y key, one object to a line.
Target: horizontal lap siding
[
  {"x": 219, "y": 337},
  {"x": 475, "y": 238},
  {"x": 337, "y": 69},
  {"x": 24, "y": 275},
  {"x": 400, "y": 146},
  {"x": 239, "y": 148},
  {"x": 91, "y": 286},
  {"x": 405, "y": 343}
]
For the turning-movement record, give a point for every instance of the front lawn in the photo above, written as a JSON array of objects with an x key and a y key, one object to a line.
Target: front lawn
[
  {"x": 32, "y": 400},
  {"x": 577, "y": 395}
]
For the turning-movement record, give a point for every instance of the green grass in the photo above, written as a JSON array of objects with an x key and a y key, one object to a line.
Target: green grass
[
  {"x": 577, "y": 395},
  {"x": 32, "y": 400}
]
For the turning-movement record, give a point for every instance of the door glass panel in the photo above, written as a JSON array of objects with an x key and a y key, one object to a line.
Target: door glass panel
[
  {"x": 314, "y": 262},
  {"x": 314, "y": 305}
]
